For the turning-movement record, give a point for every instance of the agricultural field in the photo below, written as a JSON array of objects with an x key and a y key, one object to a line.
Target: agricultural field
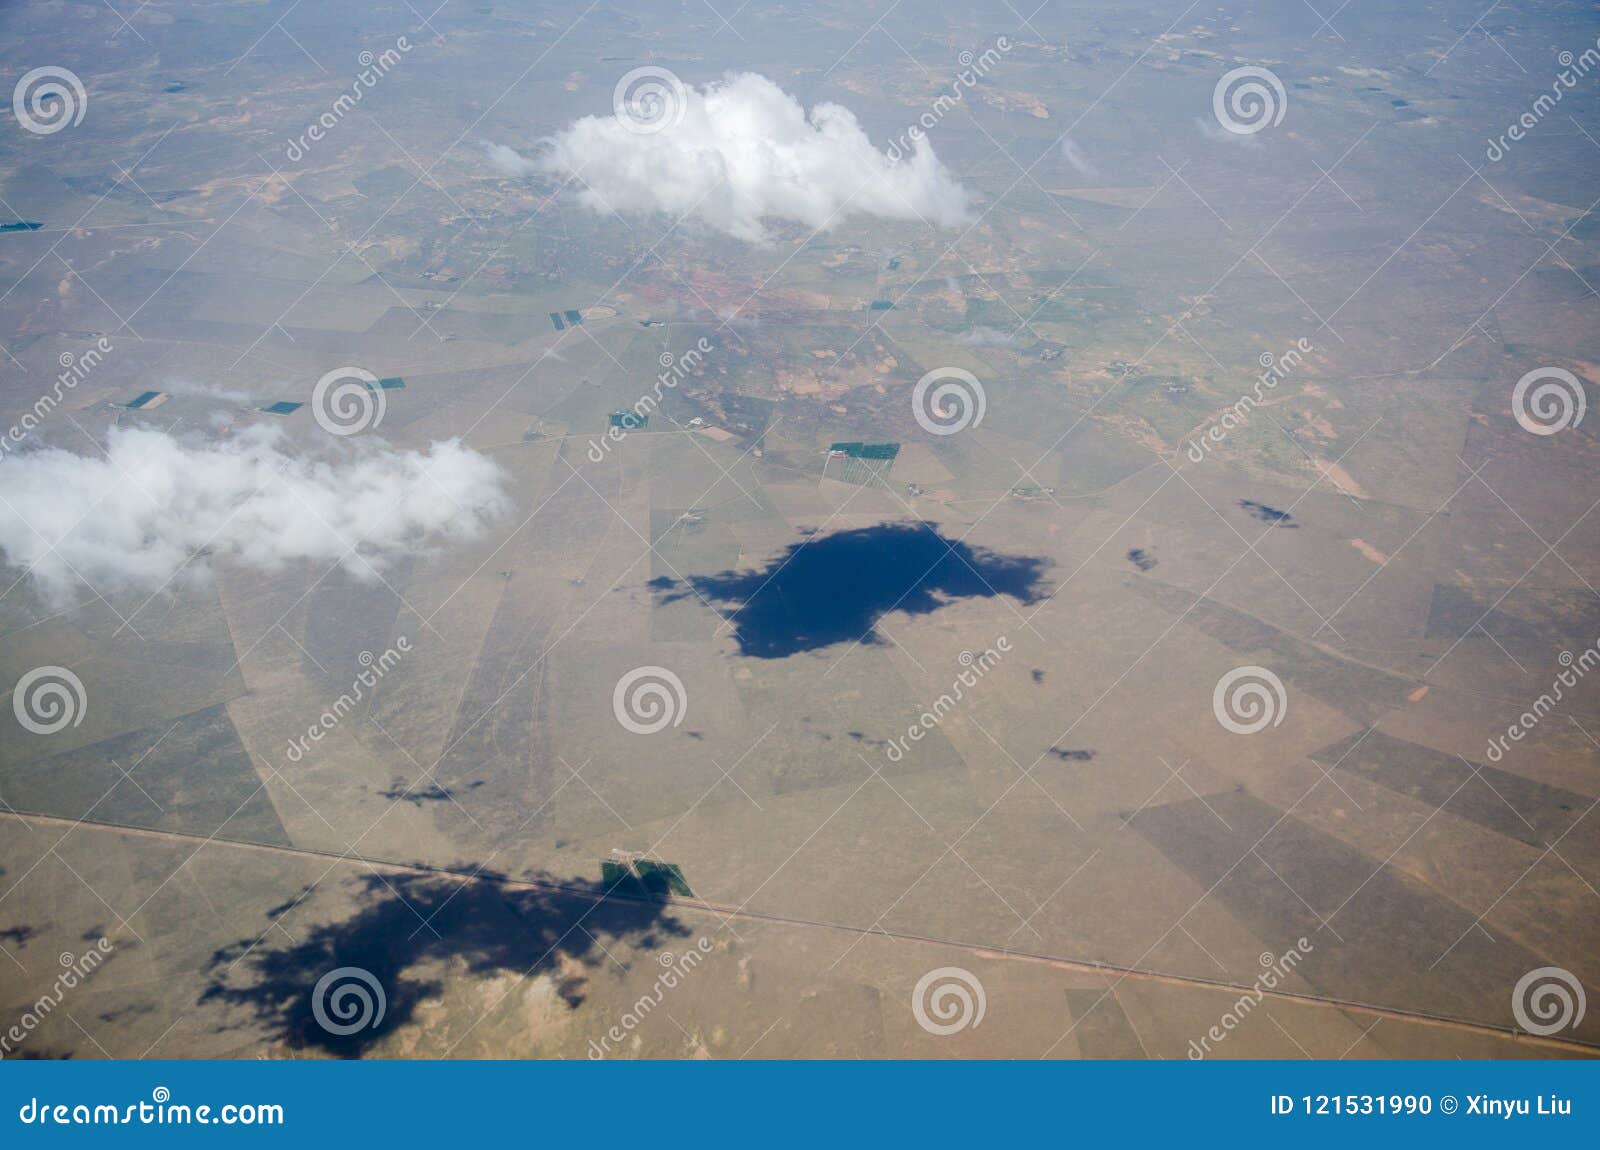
[{"x": 1108, "y": 574}]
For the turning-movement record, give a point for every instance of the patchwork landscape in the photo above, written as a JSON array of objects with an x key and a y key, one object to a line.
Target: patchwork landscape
[{"x": 493, "y": 569}]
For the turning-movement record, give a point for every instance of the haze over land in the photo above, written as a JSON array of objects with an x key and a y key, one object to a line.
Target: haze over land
[{"x": 899, "y": 517}]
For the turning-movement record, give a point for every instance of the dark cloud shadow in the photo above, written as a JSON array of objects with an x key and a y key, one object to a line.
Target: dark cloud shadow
[
  {"x": 1268, "y": 514},
  {"x": 834, "y": 588},
  {"x": 411, "y": 921}
]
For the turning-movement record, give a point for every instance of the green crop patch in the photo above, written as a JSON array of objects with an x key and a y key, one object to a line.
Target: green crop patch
[
  {"x": 867, "y": 450},
  {"x": 644, "y": 878},
  {"x": 616, "y": 875},
  {"x": 860, "y": 463},
  {"x": 663, "y": 878}
]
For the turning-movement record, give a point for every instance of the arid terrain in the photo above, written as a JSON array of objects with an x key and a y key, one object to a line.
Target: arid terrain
[{"x": 933, "y": 532}]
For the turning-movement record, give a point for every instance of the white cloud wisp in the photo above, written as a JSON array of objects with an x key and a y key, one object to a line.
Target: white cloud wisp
[
  {"x": 135, "y": 517},
  {"x": 744, "y": 150}
]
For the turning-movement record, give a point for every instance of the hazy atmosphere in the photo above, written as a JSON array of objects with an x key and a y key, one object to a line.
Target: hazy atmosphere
[{"x": 871, "y": 531}]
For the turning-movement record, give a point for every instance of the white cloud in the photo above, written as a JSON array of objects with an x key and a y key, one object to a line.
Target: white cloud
[
  {"x": 208, "y": 391},
  {"x": 1220, "y": 135},
  {"x": 506, "y": 161},
  {"x": 1078, "y": 158},
  {"x": 987, "y": 337},
  {"x": 743, "y": 151},
  {"x": 135, "y": 516}
]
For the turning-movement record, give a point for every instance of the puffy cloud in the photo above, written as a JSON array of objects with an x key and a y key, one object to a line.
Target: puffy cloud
[
  {"x": 136, "y": 515},
  {"x": 506, "y": 161},
  {"x": 743, "y": 150}
]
